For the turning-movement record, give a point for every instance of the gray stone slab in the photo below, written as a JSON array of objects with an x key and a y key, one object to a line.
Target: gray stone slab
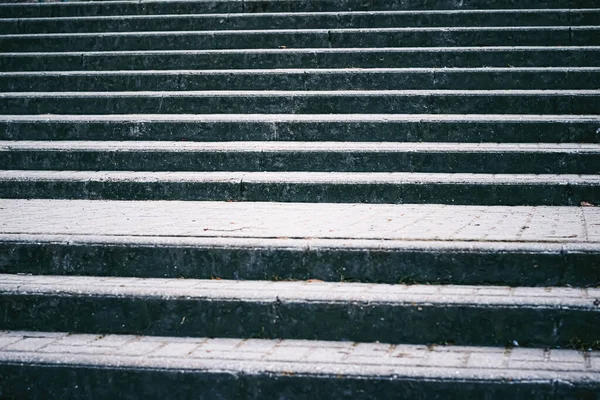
[
  {"x": 306, "y": 102},
  {"x": 470, "y": 315},
  {"x": 394, "y": 368},
  {"x": 311, "y": 127},
  {"x": 497, "y": 56},
  {"x": 320, "y": 187},
  {"x": 305, "y": 79},
  {"x": 301, "y": 156},
  {"x": 302, "y": 20}
]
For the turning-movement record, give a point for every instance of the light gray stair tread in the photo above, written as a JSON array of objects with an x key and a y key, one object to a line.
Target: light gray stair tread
[
  {"x": 280, "y": 223},
  {"x": 299, "y": 357},
  {"x": 333, "y": 147},
  {"x": 301, "y": 177},
  {"x": 301, "y": 292}
]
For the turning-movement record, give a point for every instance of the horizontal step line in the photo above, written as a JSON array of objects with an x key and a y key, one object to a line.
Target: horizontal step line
[
  {"x": 337, "y": 178},
  {"x": 304, "y": 31},
  {"x": 307, "y": 51},
  {"x": 300, "y": 93},
  {"x": 333, "y": 147},
  {"x": 308, "y": 14},
  {"x": 273, "y": 118},
  {"x": 292, "y": 360},
  {"x": 294, "y": 292},
  {"x": 323, "y": 71}
]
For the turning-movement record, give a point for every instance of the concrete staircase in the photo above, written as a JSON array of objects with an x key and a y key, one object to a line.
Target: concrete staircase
[{"x": 283, "y": 199}]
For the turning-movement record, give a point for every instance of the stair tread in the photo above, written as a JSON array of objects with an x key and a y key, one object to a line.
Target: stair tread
[
  {"x": 301, "y": 292},
  {"x": 296, "y": 146},
  {"x": 300, "y": 357},
  {"x": 301, "y": 177},
  {"x": 278, "y": 223}
]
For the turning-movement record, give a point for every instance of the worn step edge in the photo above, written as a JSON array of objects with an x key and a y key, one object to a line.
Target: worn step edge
[
  {"x": 334, "y": 187},
  {"x": 302, "y": 20},
  {"x": 472, "y": 315},
  {"x": 185, "y": 7},
  {"x": 302, "y": 156},
  {"x": 306, "y": 79},
  {"x": 305, "y": 102},
  {"x": 484, "y": 56},
  {"x": 306, "y": 127},
  {"x": 52, "y": 364},
  {"x": 304, "y": 38},
  {"x": 438, "y": 261}
]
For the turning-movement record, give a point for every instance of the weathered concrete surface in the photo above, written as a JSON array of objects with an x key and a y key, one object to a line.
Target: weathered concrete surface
[
  {"x": 59, "y": 365},
  {"x": 305, "y": 79},
  {"x": 533, "y": 246},
  {"x": 406, "y": 57},
  {"x": 304, "y": 38},
  {"x": 301, "y": 20},
  {"x": 312, "y": 187},
  {"x": 532, "y": 158},
  {"x": 305, "y": 102},
  {"x": 303, "y": 310},
  {"x": 474, "y": 128}
]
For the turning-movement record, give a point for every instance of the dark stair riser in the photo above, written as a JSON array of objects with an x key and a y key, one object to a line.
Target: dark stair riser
[
  {"x": 304, "y": 21},
  {"x": 303, "y": 80},
  {"x": 303, "y": 103},
  {"x": 560, "y": 36},
  {"x": 65, "y": 381},
  {"x": 426, "y": 58},
  {"x": 563, "y": 194},
  {"x": 191, "y": 7},
  {"x": 570, "y": 162},
  {"x": 364, "y": 322},
  {"x": 496, "y": 266},
  {"x": 552, "y": 131}
]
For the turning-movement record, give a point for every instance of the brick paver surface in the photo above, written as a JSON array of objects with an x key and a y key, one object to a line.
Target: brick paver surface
[
  {"x": 299, "y": 356},
  {"x": 427, "y": 222}
]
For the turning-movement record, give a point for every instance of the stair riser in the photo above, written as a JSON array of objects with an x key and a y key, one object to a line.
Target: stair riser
[
  {"x": 383, "y": 131},
  {"x": 304, "y": 80},
  {"x": 362, "y": 322},
  {"x": 316, "y": 39},
  {"x": 326, "y": 21},
  {"x": 408, "y": 193},
  {"x": 303, "y": 103},
  {"x": 449, "y": 162},
  {"x": 192, "y": 7},
  {"x": 58, "y": 381},
  {"x": 427, "y": 58},
  {"x": 544, "y": 267}
]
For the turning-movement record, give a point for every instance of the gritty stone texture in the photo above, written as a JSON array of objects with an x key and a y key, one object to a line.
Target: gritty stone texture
[
  {"x": 387, "y": 367},
  {"x": 300, "y": 20},
  {"x": 520, "y": 246},
  {"x": 305, "y": 102},
  {"x": 320, "y": 187},
  {"x": 304, "y": 79},
  {"x": 302, "y": 310},
  {"x": 306, "y": 156}
]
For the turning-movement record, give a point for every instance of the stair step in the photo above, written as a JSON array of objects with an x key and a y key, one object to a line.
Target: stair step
[
  {"x": 305, "y": 79},
  {"x": 95, "y": 8},
  {"x": 305, "y": 102},
  {"x": 301, "y": 156},
  {"x": 39, "y": 364},
  {"x": 517, "y": 246},
  {"x": 304, "y": 38},
  {"x": 301, "y": 20},
  {"x": 334, "y": 187},
  {"x": 464, "y": 315},
  {"x": 308, "y": 127},
  {"x": 427, "y": 57}
]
